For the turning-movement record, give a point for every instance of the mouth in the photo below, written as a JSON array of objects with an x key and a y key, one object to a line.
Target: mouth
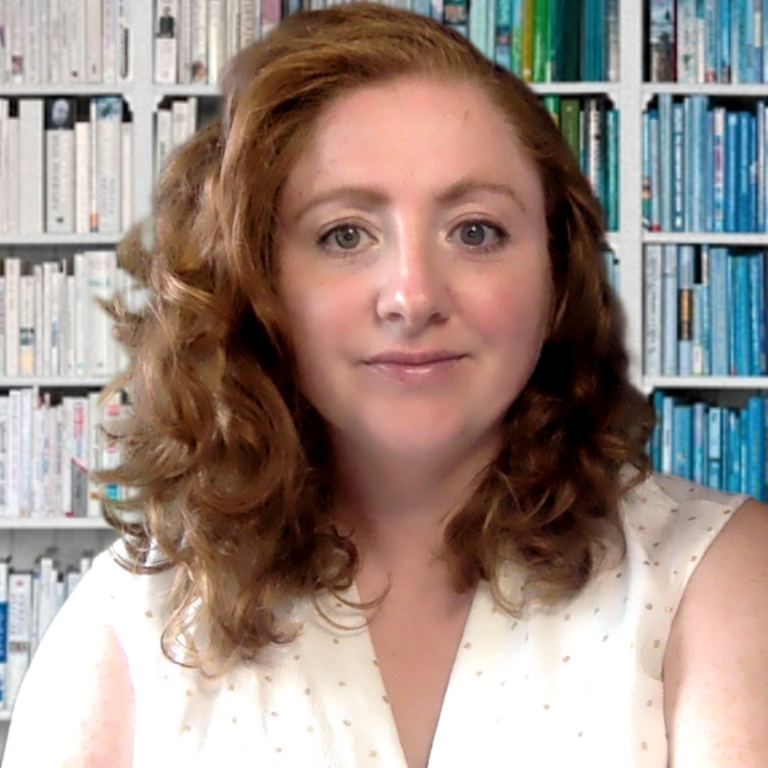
[{"x": 413, "y": 359}]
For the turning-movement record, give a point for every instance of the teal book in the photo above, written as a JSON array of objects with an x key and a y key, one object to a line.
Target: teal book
[{"x": 612, "y": 168}]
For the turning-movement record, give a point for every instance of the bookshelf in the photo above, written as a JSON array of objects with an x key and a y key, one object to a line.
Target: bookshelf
[{"x": 630, "y": 93}]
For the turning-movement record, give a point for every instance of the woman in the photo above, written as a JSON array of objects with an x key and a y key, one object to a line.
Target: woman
[{"x": 396, "y": 504}]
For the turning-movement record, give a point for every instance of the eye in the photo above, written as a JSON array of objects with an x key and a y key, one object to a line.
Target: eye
[
  {"x": 346, "y": 237},
  {"x": 480, "y": 235}
]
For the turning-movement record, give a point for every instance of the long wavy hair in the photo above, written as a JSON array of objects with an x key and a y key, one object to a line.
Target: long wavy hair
[{"x": 225, "y": 461}]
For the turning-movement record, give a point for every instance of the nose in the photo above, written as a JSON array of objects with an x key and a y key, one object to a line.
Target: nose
[{"x": 414, "y": 291}]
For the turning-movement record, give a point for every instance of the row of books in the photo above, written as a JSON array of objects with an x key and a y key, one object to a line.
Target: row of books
[
  {"x": 51, "y": 324},
  {"x": 65, "y": 165},
  {"x": 547, "y": 40},
  {"x": 591, "y": 127},
  {"x": 29, "y": 600},
  {"x": 48, "y": 448},
  {"x": 177, "y": 119},
  {"x": 63, "y": 42},
  {"x": 704, "y": 311},
  {"x": 708, "y": 41},
  {"x": 704, "y": 166},
  {"x": 715, "y": 445}
]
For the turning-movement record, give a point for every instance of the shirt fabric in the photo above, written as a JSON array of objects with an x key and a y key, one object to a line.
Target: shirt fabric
[{"x": 576, "y": 684}]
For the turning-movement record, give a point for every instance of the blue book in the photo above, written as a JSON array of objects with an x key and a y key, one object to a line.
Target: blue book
[
  {"x": 686, "y": 255},
  {"x": 719, "y": 311},
  {"x": 718, "y": 169},
  {"x": 682, "y": 437},
  {"x": 682, "y": 192},
  {"x": 708, "y": 172},
  {"x": 711, "y": 40},
  {"x": 715, "y": 449},
  {"x": 761, "y": 196},
  {"x": 654, "y": 165},
  {"x": 502, "y": 47},
  {"x": 669, "y": 318},
  {"x": 765, "y": 41},
  {"x": 741, "y": 43},
  {"x": 732, "y": 450},
  {"x": 666, "y": 143},
  {"x": 667, "y": 434},
  {"x": 731, "y": 170},
  {"x": 699, "y": 466},
  {"x": 739, "y": 277},
  {"x": 724, "y": 49},
  {"x": 697, "y": 161},
  {"x": 756, "y": 447},
  {"x": 757, "y": 319},
  {"x": 743, "y": 204},
  {"x": 701, "y": 325},
  {"x": 612, "y": 168},
  {"x": 4, "y": 570},
  {"x": 749, "y": 171},
  {"x": 655, "y": 444}
]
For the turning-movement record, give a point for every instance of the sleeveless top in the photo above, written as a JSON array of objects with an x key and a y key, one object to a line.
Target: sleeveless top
[{"x": 575, "y": 684}]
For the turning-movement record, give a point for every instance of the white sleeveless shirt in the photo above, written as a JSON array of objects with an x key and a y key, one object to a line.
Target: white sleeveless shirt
[{"x": 579, "y": 684}]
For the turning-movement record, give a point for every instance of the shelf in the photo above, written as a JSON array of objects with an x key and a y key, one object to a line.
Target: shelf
[
  {"x": 187, "y": 89},
  {"x": 54, "y": 240},
  {"x": 576, "y": 88},
  {"x": 759, "y": 239},
  {"x": 52, "y": 383},
  {"x": 704, "y": 382},
  {"x": 8, "y": 90},
  {"x": 53, "y": 523},
  {"x": 731, "y": 90}
]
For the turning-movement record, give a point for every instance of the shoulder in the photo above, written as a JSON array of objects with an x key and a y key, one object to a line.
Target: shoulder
[
  {"x": 88, "y": 710},
  {"x": 716, "y": 664}
]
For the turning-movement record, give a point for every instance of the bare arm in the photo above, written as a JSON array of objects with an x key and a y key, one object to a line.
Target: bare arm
[
  {"x": 716, "y": 664},
  {"x": 75, "y": 708}
]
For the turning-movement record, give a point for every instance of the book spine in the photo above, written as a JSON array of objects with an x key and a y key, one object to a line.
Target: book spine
[
  {"x": 31, "y": 159},
  {"x": 685, "y": 273},
  {"x": 199, "y": 41},
  {"x": 662, "y": 41},
  {"x": 699, "y": 427},
  {"x": 27, "y": 325},
  {"x": 19, "y": 632},
  {"x": 60, "y": 164},
  {"x": 6, "y": 180},
  {"x": 166, "y": 45},
  {"x": 653, "y": 310},
  {"x": 83, "y": 130},
  {"x": 124, "y": 42},
  {"x": 109, "y": 115},
  {"x": 94, "y": 37},
  {"x": 216, "y": 39},
  {"x": 669, "y": 292},
  {"x": 715, "y": 447},
  {"x": 502, "y": 46},
  {"x": 4, "y": 575},
  {"x": 109, "y": 43},
  {"x": 680, "y": 189},
  {"x": 718, "y": 169}
]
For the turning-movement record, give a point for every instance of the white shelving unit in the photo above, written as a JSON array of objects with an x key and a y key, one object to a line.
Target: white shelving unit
[{"x": 26, "y": 538}]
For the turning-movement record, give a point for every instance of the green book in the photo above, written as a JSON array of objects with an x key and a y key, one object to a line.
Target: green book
[{"x": 570, "y": 124}]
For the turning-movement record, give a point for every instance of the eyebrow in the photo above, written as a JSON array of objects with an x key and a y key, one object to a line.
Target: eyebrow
[{"x": 372, "y": 197}]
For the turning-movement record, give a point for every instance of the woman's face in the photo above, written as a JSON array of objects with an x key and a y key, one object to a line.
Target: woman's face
[{"x": 412, "y": 259}]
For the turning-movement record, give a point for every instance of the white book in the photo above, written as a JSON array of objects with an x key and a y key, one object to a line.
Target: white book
[
  {"x": 38, "y": 288},
  {"x": 80, "y": 315},
  {"x": 184, "y": 41},
  {"x": 4, "y": 574},
  {"x": 45, "y": 598},
  {"x": 56, "y": 350},
  {"x": 13, "y": 458},
  {"x": 95, "y": 438},
  {"x": 19, "y": 631},
  {"x": 163, "y": 137},
  {"x": 126, "y": 193},
  {"x": 124, "y": 41},
  {"x": 77, "y": 40},
  {"x": 27, "y": 325},
  {"x": 53, "y": 502},
  {"x": 31, "y": 155},
  {"x": 4, "y": 73},
  {"x": 112, "y": 412},
  {"x": 83, "y": 130},
  {"x": 109, "y": 47},
  {"x": 179, "y": 110},
  {"x": 66, "y": 451},
  {"x": 14, "y": 213},
  {"x": 199, "y": 41},
  {"x": 250, "y": 22},
  {"x": 3, "y": 456},
  {"x": 102, "y": 269},
  {"x": 28, "y": 398},
  {"x": 56, "y": 46},
  {"x": 7, "y": 183},
  {"x": 60, "y": 114},
  {"x": 80, "y": 446},
  {"x": 69, "y": 369},
  {"x": 14, "y": 33},
  {"x": 166, "y": 48},
  {"x": 217, "y": 40},
  {"x": 12, "y": 269},
  {"x": 109, "y": 118},
  {"x": 232, "y": 22},
  {"x": 43, "y": 27},
  {"x": 192, "y": 116},
  {"x": 31, "y": 21},
  {"x": 38, "y": 458},
  {"x": 3, "y": 330}
]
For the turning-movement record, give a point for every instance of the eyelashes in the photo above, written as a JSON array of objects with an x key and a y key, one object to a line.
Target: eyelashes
[{"x": 477, "y": 236}]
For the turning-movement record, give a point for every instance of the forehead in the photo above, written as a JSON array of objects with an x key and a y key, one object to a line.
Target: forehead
[{"x": 420, "y": 130}]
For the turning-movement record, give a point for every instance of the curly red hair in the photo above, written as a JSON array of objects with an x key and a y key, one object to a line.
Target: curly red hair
[{"x": 225, "y": 459}]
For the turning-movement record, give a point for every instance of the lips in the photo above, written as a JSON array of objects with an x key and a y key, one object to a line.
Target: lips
[{"x": 413, "y": 359}]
